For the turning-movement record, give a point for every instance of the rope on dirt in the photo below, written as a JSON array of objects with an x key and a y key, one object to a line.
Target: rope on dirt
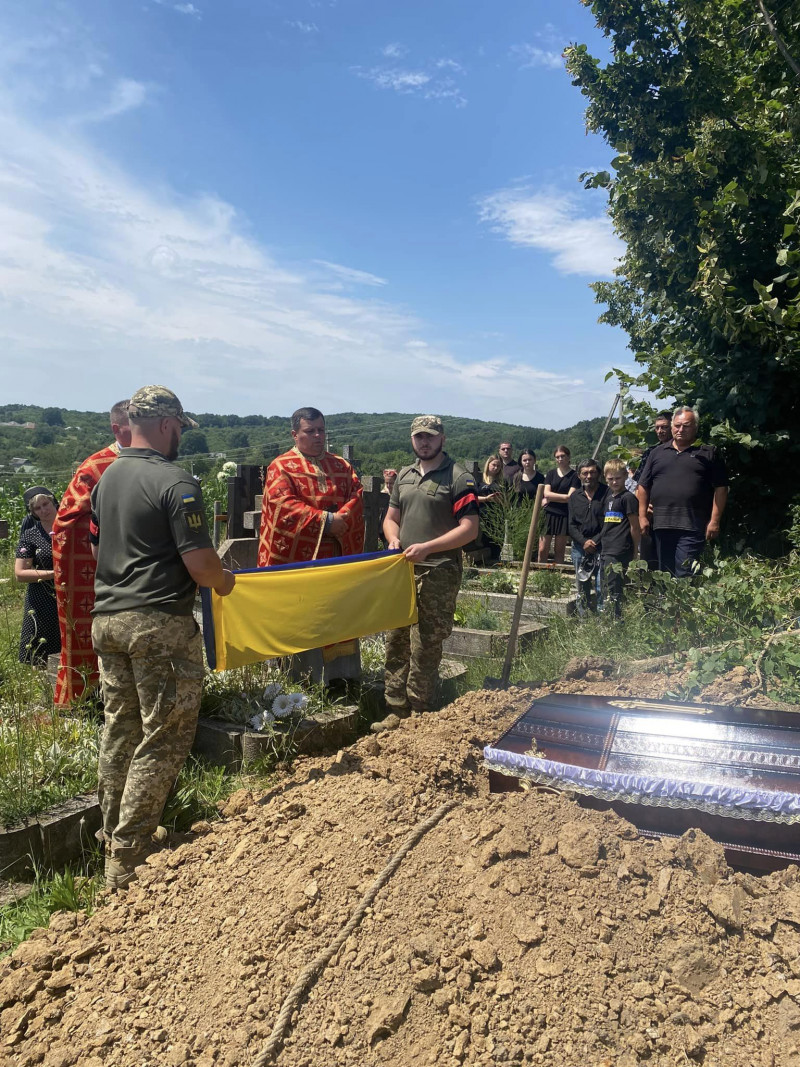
[{"x": 314, "y": 969}]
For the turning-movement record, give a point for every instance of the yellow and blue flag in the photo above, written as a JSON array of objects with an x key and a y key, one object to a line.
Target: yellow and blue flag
[{"x": 277, "y": 611}]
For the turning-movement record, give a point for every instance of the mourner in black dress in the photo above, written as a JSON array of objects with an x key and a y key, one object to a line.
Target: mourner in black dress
[
  {"x": 34, "y": 567},
  {"x": 527, "y": 479},
  {"x": 559, "y": 484},
  {"x": 488, "y": 491}
]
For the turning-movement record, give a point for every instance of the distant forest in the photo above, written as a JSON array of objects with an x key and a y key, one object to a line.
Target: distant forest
[{"x": 62, "y": 438}]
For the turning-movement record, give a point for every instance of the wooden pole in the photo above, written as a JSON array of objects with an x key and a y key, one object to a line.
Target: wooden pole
[
  {"x": 523, "y": 581},
  {"x": 617, "y": 399}
]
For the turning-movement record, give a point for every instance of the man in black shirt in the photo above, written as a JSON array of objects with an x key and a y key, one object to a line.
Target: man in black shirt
[
  {"x": 662, "y": 427},
  {"x": 586, "y": 509},
  {"x": 687, "y": 486},
  {"x": 510, "y": 465}
]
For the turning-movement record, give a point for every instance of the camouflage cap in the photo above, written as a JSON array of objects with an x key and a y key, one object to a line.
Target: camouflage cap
[
  {"x": 157, "y": 402},
  {"x": 427, "y": 424}
]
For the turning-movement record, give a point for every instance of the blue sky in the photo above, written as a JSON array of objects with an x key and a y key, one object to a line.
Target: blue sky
[{"x": 365, "y": 206}]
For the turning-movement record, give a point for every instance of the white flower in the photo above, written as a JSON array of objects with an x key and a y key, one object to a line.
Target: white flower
[
  {"x": 221, "y": 476},
  {"x": 282, "y": 706},
  {"x": 299, "y": 700},
  {"x": 272, "y": 690},
  {"x": 262, "y": 719}
]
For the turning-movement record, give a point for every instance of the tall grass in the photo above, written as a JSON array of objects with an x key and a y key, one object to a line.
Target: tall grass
[{"x": 45, "y": 757}]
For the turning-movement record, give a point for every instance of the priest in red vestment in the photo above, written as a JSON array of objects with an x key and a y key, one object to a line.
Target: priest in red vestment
[
  {"x": 312, "y": 509},
  {"x": 74, "y": 567}
]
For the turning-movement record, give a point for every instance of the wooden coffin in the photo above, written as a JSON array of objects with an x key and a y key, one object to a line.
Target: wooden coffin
[{"x": 666, "y": 766}]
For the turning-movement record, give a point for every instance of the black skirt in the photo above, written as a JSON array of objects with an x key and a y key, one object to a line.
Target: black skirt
[{"x": 556, "y": 524}]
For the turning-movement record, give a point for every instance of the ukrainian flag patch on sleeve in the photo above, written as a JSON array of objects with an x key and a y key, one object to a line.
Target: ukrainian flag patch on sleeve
[{"x": 188, "y": 498}]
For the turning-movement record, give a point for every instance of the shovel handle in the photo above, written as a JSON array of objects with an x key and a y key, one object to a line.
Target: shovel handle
[{"x": 523, "y": 581}]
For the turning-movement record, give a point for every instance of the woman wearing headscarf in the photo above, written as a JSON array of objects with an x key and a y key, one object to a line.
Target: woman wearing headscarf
[{"x": 33, "y": 567}]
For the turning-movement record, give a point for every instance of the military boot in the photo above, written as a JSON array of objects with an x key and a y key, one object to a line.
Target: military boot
[{"x": 121, "y": 863}]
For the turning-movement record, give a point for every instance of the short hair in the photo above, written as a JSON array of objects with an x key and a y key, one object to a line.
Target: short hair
[
  {"x": 527, "y": 452},
  {"x": 499, "y": 474},
  {"x": 663, "y": 415},
  {"x": 684, "y": 409},
  {"x": 562, "y": 448},
  {"x": 309, "y": 414},
  {"x": 38, "y": 499},
  {"x": 119, "y": 413},
  {"x": 588, "y": 463},
  {"x": 615, "y": 466}
]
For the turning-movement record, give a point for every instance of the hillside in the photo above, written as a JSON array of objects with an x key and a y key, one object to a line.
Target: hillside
[{"x": 62, "y": 437}]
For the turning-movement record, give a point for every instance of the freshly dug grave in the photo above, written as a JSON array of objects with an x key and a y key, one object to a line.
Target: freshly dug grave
[{"x": 521, "y": 929}]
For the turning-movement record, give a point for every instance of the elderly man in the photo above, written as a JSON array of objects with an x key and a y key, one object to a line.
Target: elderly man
[
  {"x": 433, "y": 512},
  {"x": 153, "y": 549},
  {"x": 510, "y": 465},
  {"x": 687, "y": 486},
  {"x": 74, "y": 567},
  {"x": 312, "y": 509}
]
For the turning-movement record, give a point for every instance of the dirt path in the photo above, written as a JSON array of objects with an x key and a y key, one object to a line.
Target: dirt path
[{"x": 522, "y": 929}]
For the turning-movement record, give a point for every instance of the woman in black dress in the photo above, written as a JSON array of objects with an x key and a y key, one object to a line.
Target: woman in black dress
[
  {"x": 528, "y": 479},
  {"x": 488, "y": 492},
  {"x": 559, "y": 484},
  {"x": 34, "y": 567}
]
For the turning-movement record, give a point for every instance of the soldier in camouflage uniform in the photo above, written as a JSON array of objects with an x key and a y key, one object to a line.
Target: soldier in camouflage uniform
[
  {"x": 433, "y": 512},
  {"x": 152, "y": 546}
]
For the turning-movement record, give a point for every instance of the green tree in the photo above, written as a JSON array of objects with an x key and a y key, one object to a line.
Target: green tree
[
  {"x": 700, "y": 102},
  {"x": 193, "y": 443},
  {"x": 53, "y": 417}
]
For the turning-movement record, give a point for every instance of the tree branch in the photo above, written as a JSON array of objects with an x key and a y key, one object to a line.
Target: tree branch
[{"x": 778, "y": 39}]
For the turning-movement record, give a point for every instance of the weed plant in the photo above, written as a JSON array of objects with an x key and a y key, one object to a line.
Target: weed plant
[
  {"x": 73, "y": 889},
  {"x": 739, "y": 611},
  {"x": 510, "y": 513},
  {"x": 45, "y": 757},
  {"x": 549, "y": 583},
  {"x": 200, "y": 788}
]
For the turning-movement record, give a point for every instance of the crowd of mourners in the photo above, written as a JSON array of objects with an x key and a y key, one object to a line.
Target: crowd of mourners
[
  {"x": 112, "y": 571},
  {"x": 662, "y": 509}
]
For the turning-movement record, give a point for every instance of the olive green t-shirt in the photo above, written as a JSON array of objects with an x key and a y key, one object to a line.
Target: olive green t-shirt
[
  {"x": 431, "y": 504},
  {"x": 146, "y": 512}
]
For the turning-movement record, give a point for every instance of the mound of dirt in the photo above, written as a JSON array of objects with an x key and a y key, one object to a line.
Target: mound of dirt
[{"x": 521, "y": 929}]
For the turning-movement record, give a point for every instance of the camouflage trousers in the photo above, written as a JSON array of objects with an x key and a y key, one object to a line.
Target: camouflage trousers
[
  {"x": 413, "y": 654},
  {"x": 151, "y": 672}
]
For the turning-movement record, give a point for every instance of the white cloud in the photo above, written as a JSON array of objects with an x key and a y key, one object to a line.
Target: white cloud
[
  {"x": 402, "y": 81},
  {"x": 126, "y": 95},
  {"x": 108, "y": 281},
  {"x": 188, "y": 9},
  {"x": 105, "y": 285},
  {"x": 554, "y": 222},
  {"x": 434, "y": 82},
  {"x": 395, "y": 50},
  {"x": 303, "y": 27},
  {"x": 349, "y": 274},
  {"x": 530, "y": 55}
]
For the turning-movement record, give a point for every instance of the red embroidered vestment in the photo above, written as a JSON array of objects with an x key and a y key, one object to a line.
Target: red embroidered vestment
[
  {"x": 298, "y": 493},
  {"x": 74, "y": 569}
]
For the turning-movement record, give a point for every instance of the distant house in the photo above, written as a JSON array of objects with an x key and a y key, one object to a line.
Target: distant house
[{"x": 20, "y": 425}]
